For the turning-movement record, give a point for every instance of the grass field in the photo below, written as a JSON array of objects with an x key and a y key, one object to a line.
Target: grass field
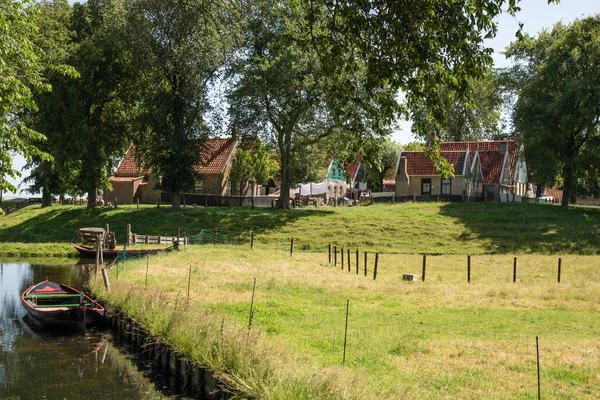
[
  {"x": 432, "y": 228},
  {"x": 442, "y": 338}
]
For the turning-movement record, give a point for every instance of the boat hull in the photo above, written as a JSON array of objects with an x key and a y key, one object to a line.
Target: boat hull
[{"x": 61, "y": 305}]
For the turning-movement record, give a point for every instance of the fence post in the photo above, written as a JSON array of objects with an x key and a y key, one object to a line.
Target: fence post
[
  {"x": 348, "y": 260},
  {"x": 128, "y": 233},
  {"x": 515, "y": 270},
  {"x": 215, "y": 236},
  {"x": 365, "y": 263},
  {"x": 252, "y": 240},
  {"x": 291, "y": 246},
  {"x": 468, "y": 268},
  {"x": 356, "y": 261},
  {"x": 329, "y": 249},
  {"x": 342, "y": 258},
  {"x": 346, "y": 330},
  {"x": 375, "y": 267},
  {"x": 559, "y": 265},
  {"x": 335, "y": 256},
  {"x": 424, "y": 267}
]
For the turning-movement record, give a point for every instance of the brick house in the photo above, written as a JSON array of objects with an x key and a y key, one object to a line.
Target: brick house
[
  {"x": 416, "y": 175},
  {"x": 130, "y": 182},
  {"x": 503, "y": 171},
  {"x": 502, "y": 165}
]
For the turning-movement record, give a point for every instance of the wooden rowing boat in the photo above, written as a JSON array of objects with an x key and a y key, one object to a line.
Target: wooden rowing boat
[
  {"x": 89, "y": 252},
  {"x": 60, "y": 305}
]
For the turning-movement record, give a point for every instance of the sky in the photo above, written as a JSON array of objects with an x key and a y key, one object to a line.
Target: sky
[{"x": 535, "y": 15}]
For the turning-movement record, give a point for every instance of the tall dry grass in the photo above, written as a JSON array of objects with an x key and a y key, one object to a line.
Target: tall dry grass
[{"x": 442, "y": 338}]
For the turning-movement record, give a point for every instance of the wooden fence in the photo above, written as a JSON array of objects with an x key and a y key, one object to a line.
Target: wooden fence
[
  {"x": 135, "y": 239},
  {"x": 22, "y": 204}
]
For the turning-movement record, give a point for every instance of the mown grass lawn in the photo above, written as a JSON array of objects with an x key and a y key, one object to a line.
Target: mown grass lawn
[
  {"x": 432, "y": 228},
  {"x": 442, "y": 338}
]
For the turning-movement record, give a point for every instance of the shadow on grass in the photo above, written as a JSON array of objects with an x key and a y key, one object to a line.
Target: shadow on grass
[
  {"x": 528, "y": 227},
  {"x": 59, "y": 223}
]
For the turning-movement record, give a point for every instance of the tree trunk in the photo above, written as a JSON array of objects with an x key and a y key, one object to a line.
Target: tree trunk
[
  {"x": 284, "y": 194},
  {"x": 46, "y": 197},
  {"x": 538, "y": 191},
  {"x": 176, "y": 200},
  {"x": 567, "y": 186},
  {"x": 91, "y": 201}
]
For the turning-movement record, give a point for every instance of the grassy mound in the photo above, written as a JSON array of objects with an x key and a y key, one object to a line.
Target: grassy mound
[{"x": 432, "y": 228}]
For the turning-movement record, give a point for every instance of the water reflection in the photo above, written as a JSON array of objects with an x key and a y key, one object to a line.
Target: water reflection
[{"x": 39, "y": 363}]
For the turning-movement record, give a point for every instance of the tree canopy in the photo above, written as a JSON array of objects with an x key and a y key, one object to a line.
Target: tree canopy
[
  {"x": 558, "y": 108},
  {"x": 20, "y": 77}
]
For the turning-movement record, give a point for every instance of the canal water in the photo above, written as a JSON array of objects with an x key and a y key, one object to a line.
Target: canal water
[{"x": 38, "y": 363}]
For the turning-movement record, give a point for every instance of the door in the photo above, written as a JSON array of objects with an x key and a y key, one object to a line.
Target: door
[{"x": 426, "y": 187}]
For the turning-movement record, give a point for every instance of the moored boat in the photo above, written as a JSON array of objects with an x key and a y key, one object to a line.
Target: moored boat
[
  {"x": 60, "y": 305},
  {"x": 90, "y": 252}
]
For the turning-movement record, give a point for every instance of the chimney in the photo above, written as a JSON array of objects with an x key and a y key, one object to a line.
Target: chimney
[
  {"x": 503, "y": 148},
  {"x": 402, "y": 168}
]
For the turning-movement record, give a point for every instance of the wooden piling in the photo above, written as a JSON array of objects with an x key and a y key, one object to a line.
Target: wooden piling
[
  {"x": 375, "y": 266},
  {"x": 424, "y": 267},
  {"x": 105, "y": 279}
]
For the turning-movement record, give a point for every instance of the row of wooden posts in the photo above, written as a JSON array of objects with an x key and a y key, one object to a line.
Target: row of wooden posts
[
  {"x": 469, "y": 269},
  {"x": 348, "y": 258}
]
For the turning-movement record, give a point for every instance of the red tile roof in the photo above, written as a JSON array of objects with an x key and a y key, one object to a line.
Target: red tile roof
[
  {"x": 129, "y": 166},
  {"x": 216, "y": 155},
  {"x": 555, "y": 192},
  {"x": 351, "y": 170},
  {"x": 418, "y": 163},
  {"x": 491, "y": 165}
]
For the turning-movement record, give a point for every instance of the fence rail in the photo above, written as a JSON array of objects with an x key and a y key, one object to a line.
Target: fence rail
[{"x": 22, "y": 204}]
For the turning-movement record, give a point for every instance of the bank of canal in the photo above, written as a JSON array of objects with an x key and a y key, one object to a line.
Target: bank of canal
[{"x": 38, "y": 363}]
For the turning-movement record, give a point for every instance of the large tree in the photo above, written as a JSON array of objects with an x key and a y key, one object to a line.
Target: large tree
[
  {"x": 55, "y": 37},
  {"x": 381, "y": 162},
  {"x": 558, "y": 106},
  {"x": 284, "y": 91},
  {"x": 475, "y": 114},
  {"x": 253, "y": 160},
  {"x": 180, "y": 48},
  {"x": 20, "y": 77}
]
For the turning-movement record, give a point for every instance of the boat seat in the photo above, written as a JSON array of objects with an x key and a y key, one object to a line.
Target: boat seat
[{"x": 60, "y": 305}]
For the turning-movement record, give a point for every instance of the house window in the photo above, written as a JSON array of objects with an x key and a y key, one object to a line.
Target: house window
[
  {"x": 198, "y": 187},
  {"x": 446, "y": 186},
  {"x": 426, "y": 186}
]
